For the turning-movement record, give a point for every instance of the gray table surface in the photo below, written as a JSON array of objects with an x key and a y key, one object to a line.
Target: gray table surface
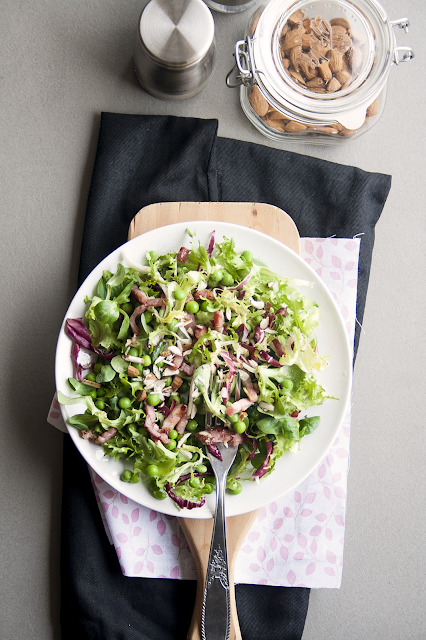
[{"x": 62, "y": 63}]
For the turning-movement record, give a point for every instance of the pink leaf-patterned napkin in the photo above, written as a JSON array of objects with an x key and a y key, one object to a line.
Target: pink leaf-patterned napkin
[{"x": 295, "y": 541}]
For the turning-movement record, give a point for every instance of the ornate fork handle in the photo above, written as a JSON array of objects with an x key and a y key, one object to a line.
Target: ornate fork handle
[{"x": 216, "y": 612}]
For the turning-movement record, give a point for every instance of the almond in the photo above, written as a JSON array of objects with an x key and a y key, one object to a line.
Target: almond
[
  {"x": 295, "y": 54},
  {"x": 343, "y": 77},
  {"x": 333, "y": 85},
  {"x": 354, "y": 56},
  {"x": 258, "y": 102},
  {"x": 323, "y": 129},
  {"x": 325, "y": 71},
  {"x": 334, "y": 60},
  {"x": 296, "y": 75},
  {"x": 316, "y": 83},
  {"x": 307, "y": 25},
  {"x": 347, "y": 133},
  {"x": 295, "y": 127},
  {"x": 307, "y": 67},
  {"x": 341, "y": 22},
  {"x": 296, "y": 18},
  {"x": 141, "y": 395},
  {"x": 90, "y": 383},
  {"x": 373, "y": 109},
  {"x": 356, "y": 36},
  {"x": 338, "y": 30},
  {"x": 132, "y": 371},
  {"x": 293, "y": 38},
  {"x": 341, "y": 42},
  {"x": 306, "y": 41}
]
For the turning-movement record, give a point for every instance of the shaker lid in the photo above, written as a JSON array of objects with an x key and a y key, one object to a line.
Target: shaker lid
[{"x": 176, "y": 33}]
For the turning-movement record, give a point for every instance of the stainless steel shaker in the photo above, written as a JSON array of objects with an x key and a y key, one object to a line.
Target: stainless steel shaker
[{"x": 174, "y": 51}]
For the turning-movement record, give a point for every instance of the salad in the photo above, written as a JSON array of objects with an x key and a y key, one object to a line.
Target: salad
[{"x": 195, "y": 331}]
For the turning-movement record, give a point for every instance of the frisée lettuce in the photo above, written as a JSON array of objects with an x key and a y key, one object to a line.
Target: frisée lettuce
[{"x": 195, "y": 331}]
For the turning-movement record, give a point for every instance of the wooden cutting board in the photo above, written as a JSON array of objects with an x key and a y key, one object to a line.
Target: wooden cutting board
[{"x": 277, "y": 224}]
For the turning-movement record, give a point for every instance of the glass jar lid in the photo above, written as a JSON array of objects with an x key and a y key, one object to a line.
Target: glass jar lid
[{"x": 322, "y": 60}]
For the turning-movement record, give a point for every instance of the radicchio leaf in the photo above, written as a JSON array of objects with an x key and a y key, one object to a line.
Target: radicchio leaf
[{"x": 264, "y": 467}]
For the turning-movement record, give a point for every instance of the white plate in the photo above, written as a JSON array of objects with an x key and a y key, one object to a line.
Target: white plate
[{"x": 291, "y": 469}]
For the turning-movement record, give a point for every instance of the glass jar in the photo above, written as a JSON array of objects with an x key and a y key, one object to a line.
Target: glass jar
[
  {"x": 317, "y": 71},
  {"x": 230, "y": 6}
]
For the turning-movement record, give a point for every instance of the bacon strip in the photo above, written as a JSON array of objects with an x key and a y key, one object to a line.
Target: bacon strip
[
  {"x": 200, "y": 330},
  {"x": 205, "y": 294},
  {"x": 279, "y": 348},
  {"x": 182, "y": 255},
  {"x": 153, "y": 427},
  {"x": 218, "y": 321},
  {"x": 237, "y": 407},
  {"x": 173, "y": 418},
  {"x": 181, "y": 425},
  {"x": 139, "y": 294},
  {"x": 186, "y": 369},
  {"x": 150, "y": 302},
  {"x": 225, "y": 435},
  {"x": 104, "y": 437}
]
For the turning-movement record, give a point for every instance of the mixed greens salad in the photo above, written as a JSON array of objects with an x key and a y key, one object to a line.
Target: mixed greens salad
[{"x": 195, "y": 331}]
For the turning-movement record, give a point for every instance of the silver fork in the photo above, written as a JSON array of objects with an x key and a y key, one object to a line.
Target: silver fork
[{"x": 216, "y": 612}]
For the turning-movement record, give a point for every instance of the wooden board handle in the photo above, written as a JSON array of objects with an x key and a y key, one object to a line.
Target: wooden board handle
[{"x": 198, "y": 534}]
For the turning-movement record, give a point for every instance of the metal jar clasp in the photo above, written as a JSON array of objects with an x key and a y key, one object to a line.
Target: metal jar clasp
[
  {"x": 241, "y": 70},
  {"x": 402, "y": 54}
]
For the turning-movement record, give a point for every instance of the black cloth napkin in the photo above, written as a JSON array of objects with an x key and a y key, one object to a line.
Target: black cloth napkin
[{"x": 141, "y": 160}]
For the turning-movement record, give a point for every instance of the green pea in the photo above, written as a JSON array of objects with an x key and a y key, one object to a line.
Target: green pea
[
  {"x": 152, "y": 470},
  {"x": 153, "y": 399},
  {"x": 192, "y": 425},
  {"x": 93, "y": 393},
  {"x": 100, "y": 392},
  {"x": 173, "y": 324},
  {"x": 201, "y": 468},
  {"x": 239, "y": 427},
  {"x": 236, "y": 489},
  {"x": 97, "y": 368},
  {"x": 91, "y": 377},
  {"x": 217, "y": 275},
  {"x": 227, "y": 280},
  {"x": 135, "y": 478},
  {"x": 133, "y": 351},
  {"x": 124, "y": 403},
  {"x": 208, "y": 488},
  {"x": 126, "y": 476},
  {"x": 247, "y": 256},
  {"x": 176, "y": 398},
  {"x": 210, "y": 480},
  {"x": 173, "y": 434},
  {"x": 194, "y": 482},
  {"x": 160, "y": 495},
  {"x": 146, "y": 361},
  {"x": 234, "y": 418},
  {"x": 287, "y": 384},
  {"x": 168, "y": 381},
  {"x": 184, "y": 387},
  {"x": 100, "y": 404},
  {"x": 198, "y": 401},
  {"x": 171, "y": 445},
  {"x": 205, "y": 306},
  {"x": 192, "y": 306},
  {"x": 179, "y": 294}
]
